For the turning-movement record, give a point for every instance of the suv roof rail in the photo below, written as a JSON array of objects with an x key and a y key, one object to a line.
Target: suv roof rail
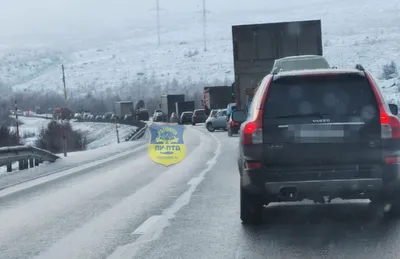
[{"x": 360, "y": 67}]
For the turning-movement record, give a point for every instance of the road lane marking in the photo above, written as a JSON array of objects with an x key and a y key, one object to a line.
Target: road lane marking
[
  {"x": 145, "y": 226},
  {"x": 94, "y": 238},
  {"x": 155, "y": 230}
]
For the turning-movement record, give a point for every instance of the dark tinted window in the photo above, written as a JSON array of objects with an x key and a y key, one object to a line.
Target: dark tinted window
[
  {"x": 336, "y": 96},
  {"x": 239, "y": 116},
  {"x": 199, "y": 112}
]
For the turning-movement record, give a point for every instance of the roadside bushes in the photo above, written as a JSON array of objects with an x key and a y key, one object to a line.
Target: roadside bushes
[
  {"x": 389, "y": 71},
  {"x": 7, "y": 137},
  {"x": 50, "y": 138}
]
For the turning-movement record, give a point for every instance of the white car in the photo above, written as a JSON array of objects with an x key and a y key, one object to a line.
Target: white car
[
  {"x": 299, "y": 63},
  {"x": 218, "y": 121}
]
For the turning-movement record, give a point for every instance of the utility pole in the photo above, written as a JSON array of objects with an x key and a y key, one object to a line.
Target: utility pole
[
  {"x": 64, "y": 138},
  {"x": 17, "y": 123},
  {"x": 158, "y": 21},
  {"x": 65, "y": 86},
  {"x": 204, "y": 25},
  {"x": 116, "y": 128}
]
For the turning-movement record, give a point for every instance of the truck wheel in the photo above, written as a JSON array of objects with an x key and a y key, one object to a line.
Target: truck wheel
[
  {"x": 210, "y": 127},
  {"x": 251, "y": 208}
]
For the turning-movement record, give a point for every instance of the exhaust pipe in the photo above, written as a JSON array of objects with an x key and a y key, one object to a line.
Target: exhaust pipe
[{"x": 288, "y": 193}]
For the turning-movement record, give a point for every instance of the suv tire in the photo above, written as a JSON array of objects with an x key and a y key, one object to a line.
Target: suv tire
[
  {"x": 390, "y": 198},
  {"x": 229, "y": 132},
  {"x": 251, "y": 208}
]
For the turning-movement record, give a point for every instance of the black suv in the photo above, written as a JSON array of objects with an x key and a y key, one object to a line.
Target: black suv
[{"x": 318, "y": 134}]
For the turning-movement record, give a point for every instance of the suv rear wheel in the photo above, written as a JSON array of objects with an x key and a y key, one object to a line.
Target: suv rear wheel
[
  {"x": 251, "y": 207},
  {"x": 229, "y": 132},
  {"x": 389, "y": 202}
]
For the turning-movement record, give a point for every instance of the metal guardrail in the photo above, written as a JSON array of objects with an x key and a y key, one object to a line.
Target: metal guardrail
[
  {"x": 139, "y": 134},
  {"x": 26, "y": 156}
]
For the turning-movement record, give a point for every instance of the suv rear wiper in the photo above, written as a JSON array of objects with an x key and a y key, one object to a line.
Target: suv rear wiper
[{"x": 301, "y": 115}]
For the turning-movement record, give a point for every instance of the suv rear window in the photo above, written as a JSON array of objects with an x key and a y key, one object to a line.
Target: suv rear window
[
  {"x": 199, "y": 112},
  {"x": 335, "y": 96}
]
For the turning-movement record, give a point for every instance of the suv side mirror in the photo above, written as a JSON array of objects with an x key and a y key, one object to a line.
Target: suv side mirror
[
  {"x": 394, "y": 109},
  {"x": 239, "y": 116}
]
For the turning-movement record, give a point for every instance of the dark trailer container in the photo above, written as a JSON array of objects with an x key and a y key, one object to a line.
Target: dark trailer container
[
  {"x": 256, "y": 46},
  {"x": 217, "y": 97},
  {"x": 168, "y": 103},
  {"x": 181, "y": 107}
]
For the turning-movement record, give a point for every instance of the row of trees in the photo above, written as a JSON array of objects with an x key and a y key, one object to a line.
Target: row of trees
[{"x": 101, "y": 101}]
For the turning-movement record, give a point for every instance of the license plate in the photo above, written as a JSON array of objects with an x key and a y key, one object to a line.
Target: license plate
[{"x": 322, "y": 133}]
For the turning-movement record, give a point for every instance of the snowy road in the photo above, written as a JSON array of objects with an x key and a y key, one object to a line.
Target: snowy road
[
  {"x": 133, "y": 208},
  {"x": 90, "y": 214}
]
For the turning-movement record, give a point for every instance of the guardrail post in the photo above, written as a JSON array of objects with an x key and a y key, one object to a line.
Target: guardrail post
[
  {"x": 31, "y": 162},
  {"x": 9, "y": 167},
  {"x": 36, "y": 162},
  {"x": 21, "y": 164},
  {"x": 26, "y": 165}
]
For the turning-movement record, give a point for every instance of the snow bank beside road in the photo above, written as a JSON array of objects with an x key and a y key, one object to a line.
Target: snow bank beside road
[
  {"x": 101, "y": 134},
  {"x": 97, "y": 134},
  {"x": 72, "y": 160}
]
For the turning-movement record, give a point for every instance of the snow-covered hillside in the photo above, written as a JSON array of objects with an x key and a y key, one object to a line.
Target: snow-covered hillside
[
  {"x": 97, "y": 134},
  {"x": 112, "y": 43}
]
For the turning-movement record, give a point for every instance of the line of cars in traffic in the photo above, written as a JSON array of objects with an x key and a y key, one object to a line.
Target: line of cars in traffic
[{"x": 218, "y": 119}]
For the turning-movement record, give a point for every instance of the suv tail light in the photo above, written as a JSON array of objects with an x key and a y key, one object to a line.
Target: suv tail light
[
  {"x": 390, "y": 124},
  {"x": 253, "y": 129},
  {"x": 252, "y": 133}
]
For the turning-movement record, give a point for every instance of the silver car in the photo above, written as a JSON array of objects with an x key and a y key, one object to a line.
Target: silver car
[
  {"x": 217, "y": 121},
  {"x": 300, "y": 63}
]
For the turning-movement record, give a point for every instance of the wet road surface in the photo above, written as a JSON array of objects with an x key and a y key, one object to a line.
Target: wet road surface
[{"x": 133, "y": 208}]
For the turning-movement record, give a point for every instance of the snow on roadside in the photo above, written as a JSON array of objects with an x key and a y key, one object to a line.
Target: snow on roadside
[
  {"x": 102, "y": 134},
  {"x": 73, "y": 159},
  {"x": 31, "y": 127},
  {"x": 97, "y": 134}
]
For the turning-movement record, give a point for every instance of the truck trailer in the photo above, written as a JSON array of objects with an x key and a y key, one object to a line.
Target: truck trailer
[
  {"x": 181, "y": 107},
  {"x": 123, "y": 108},
  {"x": 168, "y": 103},
  {"x": 217, "y": 97},
  {"x": 257, "y": 46}
]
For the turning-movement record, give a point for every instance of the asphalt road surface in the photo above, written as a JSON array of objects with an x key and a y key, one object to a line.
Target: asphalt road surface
[{"x": 131, "y": 207}]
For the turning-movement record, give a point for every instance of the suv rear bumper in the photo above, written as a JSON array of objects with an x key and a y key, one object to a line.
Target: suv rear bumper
[
  {"x": 326, "y": 186},
  {"x": 256, "y": 181}
]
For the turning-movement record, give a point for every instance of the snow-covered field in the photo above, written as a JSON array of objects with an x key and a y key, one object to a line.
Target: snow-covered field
[
  {"x": 97, "y": 134},
  {"x": 107, "y": 44},
  {"x": 102, "y": 134}
]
